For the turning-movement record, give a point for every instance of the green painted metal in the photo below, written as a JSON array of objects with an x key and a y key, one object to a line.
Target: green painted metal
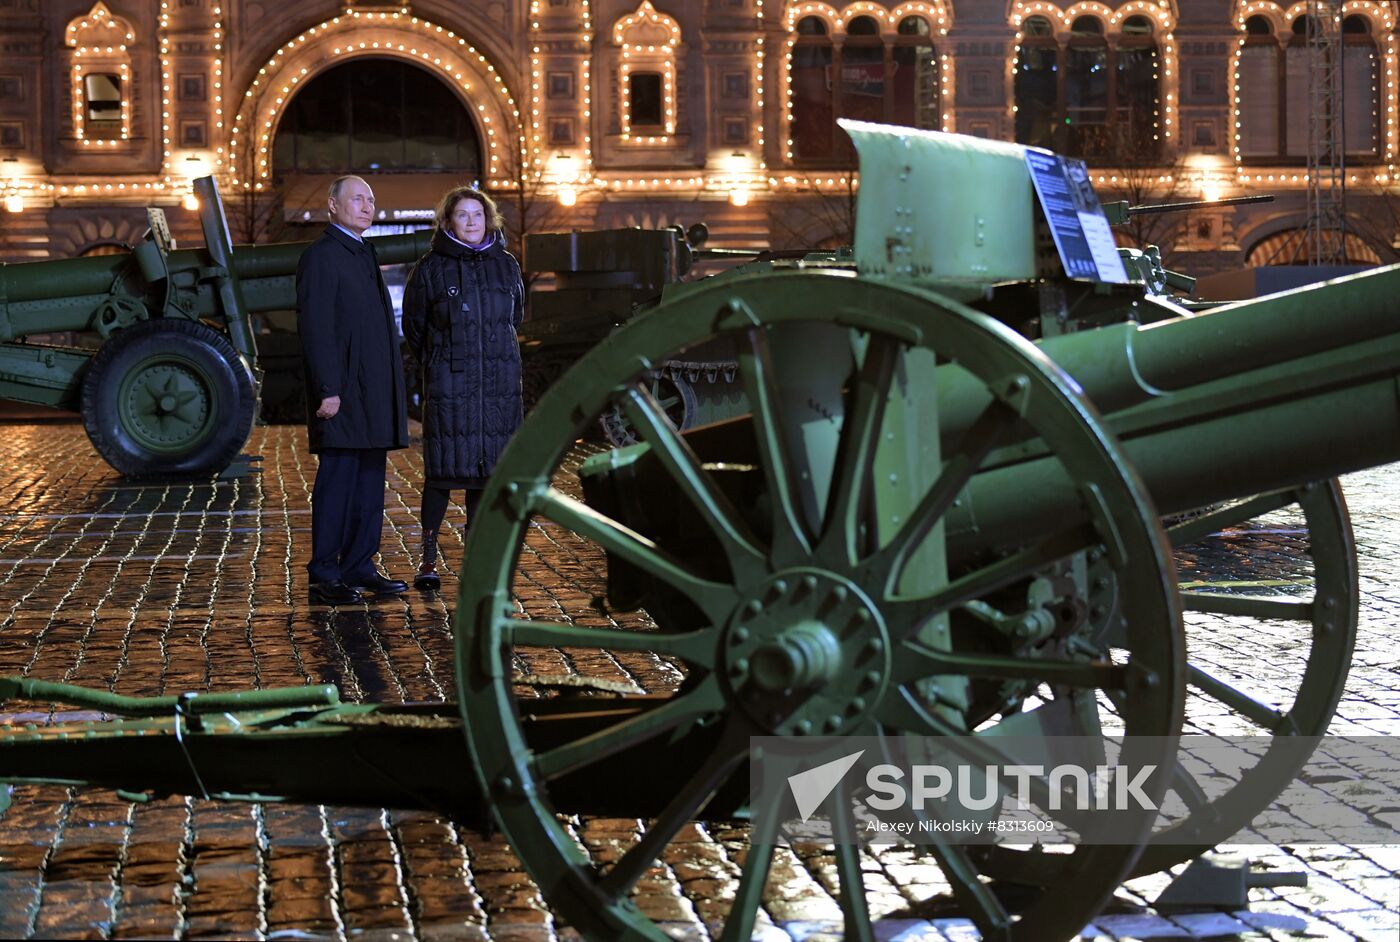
[
  {"x": 168, "y": 407},
  {"x": 41, "y": 374},
  {"x": 30, "y": 688},
  {"x": 949, "y": 210},
  {"x": 233, "y": 307},
  {"x": 791, "y": 588},
  {"x": 916, "y": 524},
  {"x": 63, "y": 295}
]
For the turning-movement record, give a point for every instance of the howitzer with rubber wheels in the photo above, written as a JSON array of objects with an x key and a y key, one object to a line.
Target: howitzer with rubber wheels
[{"x": 173, "y": 389}]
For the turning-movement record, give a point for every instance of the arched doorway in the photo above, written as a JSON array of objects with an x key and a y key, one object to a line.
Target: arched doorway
[
  {"x": 1290, "y": 247},
  {"x": 376, "y": 116}
]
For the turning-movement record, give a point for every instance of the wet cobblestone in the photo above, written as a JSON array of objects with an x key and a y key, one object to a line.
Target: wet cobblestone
[{"x": 155, "y": 589}]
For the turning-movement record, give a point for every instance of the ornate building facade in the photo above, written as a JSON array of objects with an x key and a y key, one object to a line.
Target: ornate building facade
[{"x": 604, "y": 113}]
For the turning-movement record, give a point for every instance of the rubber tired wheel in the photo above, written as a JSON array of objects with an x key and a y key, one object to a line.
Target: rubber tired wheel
[
  {"x": 169, "y": 397},
  {"x": 835, "y": 623}
]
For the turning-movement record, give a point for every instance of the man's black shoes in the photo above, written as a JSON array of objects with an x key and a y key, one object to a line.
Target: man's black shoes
[
  {"x": 332, "y": 593},
  {"x": 375, "y": 584}
]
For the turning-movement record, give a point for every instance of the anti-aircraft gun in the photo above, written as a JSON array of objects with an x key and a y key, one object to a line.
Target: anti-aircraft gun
[
  {"x": 173, "y": 389},
  {"x": 924, "y": 524}
]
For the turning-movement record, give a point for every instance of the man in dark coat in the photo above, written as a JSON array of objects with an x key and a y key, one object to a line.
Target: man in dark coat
[{"x": 355, "y": 397}]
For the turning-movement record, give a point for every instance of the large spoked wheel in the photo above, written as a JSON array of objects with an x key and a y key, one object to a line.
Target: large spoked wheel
[
  {"x": 1301, "y": 639},
  {"x": 168, "y": 396},
  {"x": 827, "y": 604},
  {"x": 1266, "y": 666}
]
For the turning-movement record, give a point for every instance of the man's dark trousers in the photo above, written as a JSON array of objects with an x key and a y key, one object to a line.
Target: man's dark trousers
[{"x": 347, "y": 514}]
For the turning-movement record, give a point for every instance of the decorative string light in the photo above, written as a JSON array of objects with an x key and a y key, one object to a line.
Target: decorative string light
[
  {"x": 587, "y": 83},
  {"x": 1380, "y": 15},
  {"x": 100, "y": 41},
  {"x": 165, "y": 90},
  {"x": 836, "y": 25},
  {"x": 646, "y": 23},
  {"x": 1156, "y": 11},
  {"x": 530, "y": 153},
  {"x": 218, "y": 87},
  {"x": 759, "y": 57},
  {"x": 405, "y": 37}
]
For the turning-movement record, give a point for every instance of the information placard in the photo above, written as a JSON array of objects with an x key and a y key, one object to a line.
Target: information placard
[{"x": 1081, "y": 231}]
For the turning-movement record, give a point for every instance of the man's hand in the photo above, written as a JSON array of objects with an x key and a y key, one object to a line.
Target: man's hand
[{"x": 329, "y": 407}]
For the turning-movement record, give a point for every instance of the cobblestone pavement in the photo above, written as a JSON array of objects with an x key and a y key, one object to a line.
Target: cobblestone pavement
[{"x": 167, "y": 587}]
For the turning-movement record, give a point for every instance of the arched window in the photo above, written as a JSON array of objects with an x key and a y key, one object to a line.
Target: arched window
[
  {"x": 1087, "y": 72},
  {"x": 915, "y": 82},
  {"x": 1036, "y": 85},
  {"x": 375, "y": 115},
  {"x": 1261, "y": 89},
  {"x": 1290, "y": 247},
  {"x": 878, "y": 76},
  {"x": 1086, "y": 95},
  {"x": 1360, "y": 91},
  {"x": 1137, "y": 102},
  {"x": 1361, "y": 88},
  {"x": 813, "y": 120},
  {"x": 862, "y": 73},
  {"x": 1295, "y": 108}
]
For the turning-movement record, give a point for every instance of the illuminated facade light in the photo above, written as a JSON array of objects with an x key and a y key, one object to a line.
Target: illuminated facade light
[
  {"x": 647, "y": 42},
  {"x": 98, "y": 47},
  {"x": 352, "y": 34}
]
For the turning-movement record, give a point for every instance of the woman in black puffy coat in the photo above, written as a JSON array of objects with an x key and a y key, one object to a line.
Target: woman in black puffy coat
[{"x": 461, "y": 307}]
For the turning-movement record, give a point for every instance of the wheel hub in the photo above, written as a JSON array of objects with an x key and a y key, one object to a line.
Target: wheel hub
[
  {"x": 806, "y": 653},
  {"x": 165, "y": 406}
]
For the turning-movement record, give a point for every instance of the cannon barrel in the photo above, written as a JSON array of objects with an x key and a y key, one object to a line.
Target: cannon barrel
[
  {"x": 61, "y": 295},
  {"x": 1247, "y": 398},
  {"x": 168, "y": 318},
  {"x": 835, "y": 567}
]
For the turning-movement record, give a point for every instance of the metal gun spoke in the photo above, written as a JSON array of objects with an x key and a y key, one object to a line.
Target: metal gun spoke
[
  {"x": 677, "y": 711},
  {"x": 1261, "y": 714},
  {"x": 916, "y": 661},
  {"x": 694, "y": 647},
  {"x": 860, "y": 431},
  {"x": 756, "y": 369},
  {"x": 763, "y": 834},
  {"x": 974, "y": 897},
  {"x": 721, "y": 763},
  {"x": 713, "y": 598},
  {"x": 1184, "y": 784},
  {"x": 851, "y": 892},
  {"x": 1247, "y": 606},
  {"x": 905, "y": 714},
  {"x": 978, "y": 441},
  {"x": 1189, "y": 531},
  {"x": 653, "y": 427},
  {"x": 910, "y": 612}
]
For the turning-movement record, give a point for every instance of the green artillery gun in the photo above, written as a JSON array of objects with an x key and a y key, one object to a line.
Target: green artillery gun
[
  {"x": 604, "y": 278},
  {"x": 924, "y": 524},
  {"x": 173, "y": 388}
]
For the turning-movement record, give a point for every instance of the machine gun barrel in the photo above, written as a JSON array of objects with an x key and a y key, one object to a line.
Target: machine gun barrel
[{"x": 1153, "y": 208}]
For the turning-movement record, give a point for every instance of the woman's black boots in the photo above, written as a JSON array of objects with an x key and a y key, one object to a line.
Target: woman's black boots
[{"x": 427, "y": 578}]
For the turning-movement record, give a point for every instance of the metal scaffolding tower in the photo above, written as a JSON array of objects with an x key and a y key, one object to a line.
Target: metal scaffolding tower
[{"x": 1325, "y": 237}]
